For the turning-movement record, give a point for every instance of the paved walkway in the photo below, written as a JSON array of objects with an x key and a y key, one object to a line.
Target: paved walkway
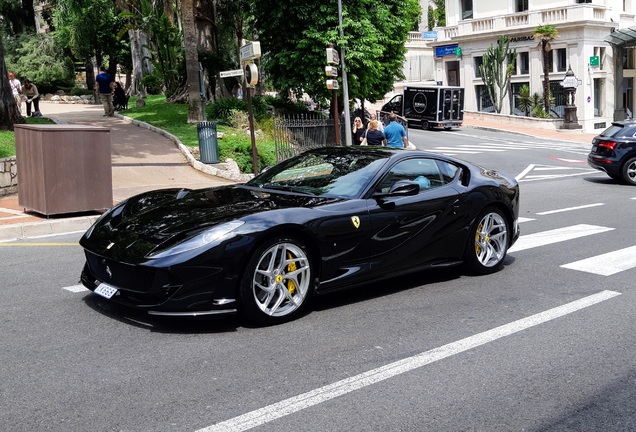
[{"x": 144, "y": 160}]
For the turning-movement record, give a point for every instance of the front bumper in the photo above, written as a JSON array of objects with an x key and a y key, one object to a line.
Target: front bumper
[{"x": 172, "y": 292}]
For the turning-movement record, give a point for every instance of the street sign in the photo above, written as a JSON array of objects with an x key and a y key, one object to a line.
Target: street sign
[
  {"x": 570, "y": 82},
  {"x": 251, "y": 74},
  {"x": 331, "y": 71},
  {"x": 231, "y": 73},
  {"x": 332, "y": 56},
  {"x": 251, "y": 51},
  {"x": 595, "y": 61},
  {"x": 332, "y": 84}
]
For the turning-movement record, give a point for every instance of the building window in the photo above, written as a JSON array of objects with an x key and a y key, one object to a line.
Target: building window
[
  {"x": 628, "y": 59},
  {"x": 483, "y": 99},
  {"x": 517, "y": 103},
  {"x": 524, "y": 63},
  {"x": 467, "y": 9},
  {"x": 558, "y": 99},
  {"x": 521, "y": 5},
  {"x": 599, "y": 96},
  {"x": 562, "y": 59},
  {"x": 584, "y": 1},
  {"x": 600, "y": 52},
  {"x": 478, "y": 62}
]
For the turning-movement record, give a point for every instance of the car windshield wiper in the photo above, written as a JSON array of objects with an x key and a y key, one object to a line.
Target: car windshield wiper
[{"x": 286, "y": 188}]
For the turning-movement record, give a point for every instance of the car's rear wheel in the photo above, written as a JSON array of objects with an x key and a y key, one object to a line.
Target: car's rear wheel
[
  {"x": 425, "y": 125},
  {"x": 277, "y": 282},
  {"x": 488, "y": 242},
  {"x": 629, "y": 171}
]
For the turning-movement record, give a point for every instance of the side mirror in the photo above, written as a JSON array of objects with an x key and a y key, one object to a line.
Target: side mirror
[
  {"x": 400, "y": 188},
  {"x": 404, "y": 188}
]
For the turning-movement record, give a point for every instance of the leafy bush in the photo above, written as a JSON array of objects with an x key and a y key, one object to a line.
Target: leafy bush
[
  {"x": 38, "y": 58},
  {"x": 283, "y": 107},
  {"x": 222, "y": 108},
  {"x": 153, "y": 84}
]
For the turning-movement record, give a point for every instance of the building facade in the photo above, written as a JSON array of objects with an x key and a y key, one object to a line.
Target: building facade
[{"x": 584, "y": 44}]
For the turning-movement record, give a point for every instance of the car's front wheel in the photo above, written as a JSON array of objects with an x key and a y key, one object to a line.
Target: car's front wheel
[
  {"x": 629, "y": 171},
  {"x": 488, "y": 242},
  {"x": 277, "y": 282}
]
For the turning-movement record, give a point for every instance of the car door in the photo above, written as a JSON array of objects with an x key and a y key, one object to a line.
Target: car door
[{"x": 412, "y": 231}]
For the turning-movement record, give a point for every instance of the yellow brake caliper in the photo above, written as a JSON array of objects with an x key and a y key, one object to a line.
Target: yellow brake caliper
[
  {"x": 291, "y": 286},
  {"x": 477, "y": 234}
]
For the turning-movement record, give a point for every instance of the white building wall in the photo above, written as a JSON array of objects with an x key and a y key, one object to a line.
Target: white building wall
[{"x": 582, "y": 29}]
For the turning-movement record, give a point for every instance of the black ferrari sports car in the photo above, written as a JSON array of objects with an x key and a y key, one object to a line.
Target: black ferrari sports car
[{"x": 327, "y": 219}]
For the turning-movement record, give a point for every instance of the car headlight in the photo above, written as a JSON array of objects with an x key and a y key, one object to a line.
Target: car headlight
[{"x": 205, "y": 238}]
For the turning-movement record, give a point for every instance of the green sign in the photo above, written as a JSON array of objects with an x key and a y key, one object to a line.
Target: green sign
[
  {"x": 595, "y": 61},
  {"x": 458, "y": 52}
]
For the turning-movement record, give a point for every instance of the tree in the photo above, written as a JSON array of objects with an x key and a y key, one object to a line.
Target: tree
[
  {"x": 9, "y": 113},
  {"x": 546, "y": 33},
  {"x": 294, "y": 36},
  {"x": 496, "y": 70},
  {"x": 436, "y": 14},
  {"x": 191, "y": 61}
]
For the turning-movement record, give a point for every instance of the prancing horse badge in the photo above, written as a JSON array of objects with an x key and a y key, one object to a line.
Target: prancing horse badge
[{"x": 356, "y": 221}]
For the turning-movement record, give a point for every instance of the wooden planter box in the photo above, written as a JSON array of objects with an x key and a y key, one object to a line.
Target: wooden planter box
[{"x": 63, "y": 168}]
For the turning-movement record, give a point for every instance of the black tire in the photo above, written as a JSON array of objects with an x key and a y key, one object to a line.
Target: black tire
[
  {"x": 448, "y": 128},
  {"x": 628, "y": 171},
  {"x": 487, "y": 242},
  {"x": 277, "y": 283},
  {"x": 425, "y": 125}
]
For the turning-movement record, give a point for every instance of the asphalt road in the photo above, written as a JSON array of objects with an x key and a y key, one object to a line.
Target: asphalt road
[{"x": 544, "y": 345}]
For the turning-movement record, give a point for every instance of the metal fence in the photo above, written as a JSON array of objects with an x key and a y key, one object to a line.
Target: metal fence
[{"x": 295, "y": 134}]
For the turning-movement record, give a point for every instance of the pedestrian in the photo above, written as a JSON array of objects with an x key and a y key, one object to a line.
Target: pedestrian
[
  {"x": 357, "y": 131},
  {"x": 104, "y": 80},
  {"x": 119, "y": 97},
  {"x": 395, "y": 133},
  {"x": 32, "y": 96},
  {"x": 16, "y": 89},
  {"x": 374, "y": 136}
]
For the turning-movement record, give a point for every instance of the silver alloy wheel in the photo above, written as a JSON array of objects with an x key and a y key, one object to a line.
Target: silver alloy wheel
[
  {"x": 281, "y": 280},
  {"x": 491, "y": 239},
  {"x": 630, "y": 171}
]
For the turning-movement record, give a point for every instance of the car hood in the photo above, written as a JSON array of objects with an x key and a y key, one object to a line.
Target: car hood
[{"x": 164, "y": 217}]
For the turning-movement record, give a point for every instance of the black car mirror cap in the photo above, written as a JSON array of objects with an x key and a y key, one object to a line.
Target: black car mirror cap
[{"x": 400, "y": 188}]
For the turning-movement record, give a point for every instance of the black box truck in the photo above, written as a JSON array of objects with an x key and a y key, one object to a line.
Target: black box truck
[{"x": 429, "y": 106}]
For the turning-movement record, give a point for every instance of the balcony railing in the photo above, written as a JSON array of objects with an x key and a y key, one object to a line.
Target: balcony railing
[{"x": 525, "y": 20}]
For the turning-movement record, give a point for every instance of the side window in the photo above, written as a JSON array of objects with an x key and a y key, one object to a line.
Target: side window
[{"x": 428, "y": 173}]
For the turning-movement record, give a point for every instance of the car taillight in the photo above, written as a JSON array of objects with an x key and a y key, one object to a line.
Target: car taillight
[{"x": 607, "y": 145}]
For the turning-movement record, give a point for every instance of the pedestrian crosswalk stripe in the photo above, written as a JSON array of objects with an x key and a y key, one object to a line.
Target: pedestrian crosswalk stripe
[
  {"x": 555, "y": 236},
  {"x": 569, "y": 209},
  {"x": 606, "y": 264},
  {"x": 75, "y": 288}
]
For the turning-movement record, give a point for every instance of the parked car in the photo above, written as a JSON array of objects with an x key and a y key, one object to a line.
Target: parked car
[
  {"x": 614, "y": 151},
  {"x": 327, "y": 219}
]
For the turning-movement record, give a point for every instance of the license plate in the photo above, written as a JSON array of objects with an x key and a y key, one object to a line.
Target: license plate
[
  {"x": 593, "y": 149},
  {"x": 105, "y": 290}
]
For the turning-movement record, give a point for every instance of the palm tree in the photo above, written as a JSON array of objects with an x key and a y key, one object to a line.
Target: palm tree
[{"x": 546, "y": 33}]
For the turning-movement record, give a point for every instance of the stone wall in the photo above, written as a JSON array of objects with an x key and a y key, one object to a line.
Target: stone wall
[
  {"x": 538, "y": 123},
  {"x": 8, "y": 176}
]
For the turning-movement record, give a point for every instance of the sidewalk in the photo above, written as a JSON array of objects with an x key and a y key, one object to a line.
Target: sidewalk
[{"x": 144, "y": 160}]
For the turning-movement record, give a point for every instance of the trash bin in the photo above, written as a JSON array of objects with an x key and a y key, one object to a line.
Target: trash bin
[{"x": 208, "y": 146}]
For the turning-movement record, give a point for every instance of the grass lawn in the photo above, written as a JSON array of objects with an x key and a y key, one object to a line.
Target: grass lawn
[
  {"x": 7, "y": 138},
  {"x": 235, "y": 144}
]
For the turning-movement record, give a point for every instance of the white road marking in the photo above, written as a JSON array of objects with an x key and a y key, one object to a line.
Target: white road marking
[
  {"x": 555, "y": 236},
  {"x": 569, "y": 209},
  {"x": 297, "y": 403},
  {"x": 606, "y": 264},
  {"x": 76, "y": 288},
  {"x": 524, "y": 175},
  {"x": 522, "y": 219}
]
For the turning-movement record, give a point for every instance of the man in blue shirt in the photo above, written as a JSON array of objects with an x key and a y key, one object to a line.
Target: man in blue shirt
[
  {"x": 395, "y": 133},
  {"x": 103, "y": 80}
]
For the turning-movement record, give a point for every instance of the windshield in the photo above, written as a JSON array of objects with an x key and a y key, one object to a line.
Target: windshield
[{"x": 334, "y": 173}]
